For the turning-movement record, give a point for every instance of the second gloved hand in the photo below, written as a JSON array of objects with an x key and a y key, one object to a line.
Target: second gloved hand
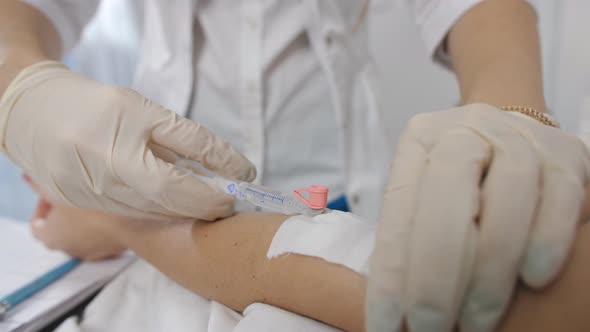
[
  {"x": 96, "y": 146},
  {"x": 476, "y": 197}
]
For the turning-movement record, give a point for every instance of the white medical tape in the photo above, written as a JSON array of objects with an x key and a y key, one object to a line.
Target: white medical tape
[{"x": 337, "y": 237}]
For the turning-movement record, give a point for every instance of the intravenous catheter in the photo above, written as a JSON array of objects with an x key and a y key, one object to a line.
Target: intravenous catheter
[
  {"x": 269, "y": 199},
  {"x": 272, "y": 199}
]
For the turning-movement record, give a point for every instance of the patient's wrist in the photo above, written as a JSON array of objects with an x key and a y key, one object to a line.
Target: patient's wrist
[{"x": 128, "y": 232}]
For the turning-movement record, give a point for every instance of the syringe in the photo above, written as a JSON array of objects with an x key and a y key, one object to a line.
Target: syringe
[{"x": 268, "y": 199}]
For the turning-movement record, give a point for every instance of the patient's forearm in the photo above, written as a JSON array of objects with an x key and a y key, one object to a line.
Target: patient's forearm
[
  {"x": 561, "y": 307},
  {"x": 226, "y": 261}
]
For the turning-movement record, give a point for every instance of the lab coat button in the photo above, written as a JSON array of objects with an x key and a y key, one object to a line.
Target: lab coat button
[{"x": 355, "y": 199}]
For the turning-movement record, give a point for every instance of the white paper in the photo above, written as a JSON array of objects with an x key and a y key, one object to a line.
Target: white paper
[{"x": 22, "y": 259}]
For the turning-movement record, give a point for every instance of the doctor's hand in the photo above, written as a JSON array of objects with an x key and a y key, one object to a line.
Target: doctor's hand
[
  {"x": 101, "y": 147},
  {"x": 476, "y": 198}
]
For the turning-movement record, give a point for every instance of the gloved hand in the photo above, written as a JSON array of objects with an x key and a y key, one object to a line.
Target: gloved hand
[
  {"x": 476, "y": 197},
  {"x": 96, "y": 146}
]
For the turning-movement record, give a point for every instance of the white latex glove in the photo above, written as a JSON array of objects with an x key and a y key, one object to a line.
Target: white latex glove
[
  {"x": 102, "y": 147},
  {"x": 476, "y": 197}
]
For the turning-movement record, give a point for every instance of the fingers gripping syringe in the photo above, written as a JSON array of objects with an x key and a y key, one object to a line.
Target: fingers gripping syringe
[{"x": 268, "y": 199}]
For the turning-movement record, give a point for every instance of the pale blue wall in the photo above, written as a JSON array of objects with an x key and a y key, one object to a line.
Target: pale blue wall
[{"x": 16, "y": 198}]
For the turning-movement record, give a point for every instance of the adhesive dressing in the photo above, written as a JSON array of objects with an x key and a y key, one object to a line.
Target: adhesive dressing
[{"x": 337, "y": 237}]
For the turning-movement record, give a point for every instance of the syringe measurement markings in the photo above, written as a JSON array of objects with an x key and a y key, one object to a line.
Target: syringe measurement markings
[{"x": 261, "y": 195}]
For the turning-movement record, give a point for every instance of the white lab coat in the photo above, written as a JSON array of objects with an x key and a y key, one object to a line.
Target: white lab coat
[
  {"x": 337, "y": 34},
  {"x": 144, "y": 299}
]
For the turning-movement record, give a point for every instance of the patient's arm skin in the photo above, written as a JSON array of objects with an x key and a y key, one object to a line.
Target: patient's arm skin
[
  {"x": 233, "y": 254},
  {"x": 565, "y": 305},
  {"x": 226, "y": 261}
]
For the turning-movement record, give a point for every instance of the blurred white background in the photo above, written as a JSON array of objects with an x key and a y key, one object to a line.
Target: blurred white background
[{"x": 411, "y": 82}]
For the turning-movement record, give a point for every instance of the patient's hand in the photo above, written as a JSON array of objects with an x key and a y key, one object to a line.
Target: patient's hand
[{"x": 79, "y": 233}]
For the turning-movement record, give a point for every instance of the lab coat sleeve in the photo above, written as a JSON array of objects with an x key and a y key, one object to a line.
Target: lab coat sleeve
[
  {"x": 69, "y": 17},
  {"x": 434, "y": 19}
]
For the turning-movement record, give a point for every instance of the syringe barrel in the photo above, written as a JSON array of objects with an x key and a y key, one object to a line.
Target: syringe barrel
[
  {"x": 273, "y": 200},
  {"x": 261, "y": 196}
]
